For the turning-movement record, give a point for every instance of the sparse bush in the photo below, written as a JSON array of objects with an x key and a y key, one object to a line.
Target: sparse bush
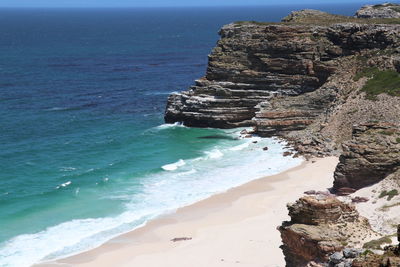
[
  {"x": 387, "y": 81},
  {"x": 377, "y": 243},
  {"x": 391, "y": 194}
]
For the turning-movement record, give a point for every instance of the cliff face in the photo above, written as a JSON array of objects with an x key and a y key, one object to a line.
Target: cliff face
[
  {"x": 310, "y": 79},
  {"x": 372, "y": 154},
  {"x": 253, "y": 63}
]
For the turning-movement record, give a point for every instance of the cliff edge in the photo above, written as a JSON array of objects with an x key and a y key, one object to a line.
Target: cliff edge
[{"x": 330, "y": 85}]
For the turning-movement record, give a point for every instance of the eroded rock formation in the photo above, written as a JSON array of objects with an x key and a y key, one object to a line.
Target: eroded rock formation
[
  {"x": 267, "y": 74},
  {"x": 372, "y": 154},
  {"x": 320, "y": 226}
]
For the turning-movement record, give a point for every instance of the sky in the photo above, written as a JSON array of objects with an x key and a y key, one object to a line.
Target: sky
[{"x": 160, "y": 3}]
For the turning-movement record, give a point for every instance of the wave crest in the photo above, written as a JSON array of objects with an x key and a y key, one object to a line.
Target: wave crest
[{"x": 174, "y": 166}]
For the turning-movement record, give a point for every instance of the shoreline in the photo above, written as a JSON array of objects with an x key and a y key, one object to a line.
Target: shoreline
[{"x": 234, "y": 227}]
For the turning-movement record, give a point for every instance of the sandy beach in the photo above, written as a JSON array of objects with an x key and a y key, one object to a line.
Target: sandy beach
[{"x": 235, "y": 228}]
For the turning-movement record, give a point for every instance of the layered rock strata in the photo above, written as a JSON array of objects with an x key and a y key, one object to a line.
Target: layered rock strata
[
  {"x": 254, "y": 62},
  {"x": 320, "y": 226},
  {"x": 371, "y": 155}
]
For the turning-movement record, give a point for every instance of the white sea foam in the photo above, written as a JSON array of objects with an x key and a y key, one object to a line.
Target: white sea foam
[
  {"x": 174, "y": 166},
  {"x": 57, "y": 109},
  {"x": 214, "y": 154},
  {"x": 67, "y": 169},
  {"x": 169, "y": 125},
  {"x": 64, "y": 184},
  {"x": 229, "y": 164},
  {"x": 240, "y": 147}
]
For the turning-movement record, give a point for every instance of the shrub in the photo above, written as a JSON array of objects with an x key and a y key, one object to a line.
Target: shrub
[
  {"x": 391, "y": 194},
  {"x": 377, "y": 243}
]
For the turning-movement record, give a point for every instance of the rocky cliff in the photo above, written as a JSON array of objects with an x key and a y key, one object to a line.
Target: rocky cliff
[
  {"x": 328, "y": 84},
  {"x": 278, "y": 76},
  {"x": 386, "y": 10}
]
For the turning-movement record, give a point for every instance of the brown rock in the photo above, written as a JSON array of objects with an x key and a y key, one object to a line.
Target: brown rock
[
  {"x": 359, "y": 199},
  {"x": 372, "y": 154},
  {"x": 320, "y": 225},
  {"x": 345, "y": 191},
  {"x": 325, "y": 209},
  {"x": 254, "y": 63}
]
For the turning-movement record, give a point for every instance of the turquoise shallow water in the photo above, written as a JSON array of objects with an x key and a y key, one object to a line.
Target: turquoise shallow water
[{"x": 84, "y": 153}]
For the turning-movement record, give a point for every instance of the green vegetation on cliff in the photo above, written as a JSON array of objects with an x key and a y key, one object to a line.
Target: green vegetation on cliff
[
  {"x": 377, "y": 244},
  {"x": 391, "y": 194},
  {"x": 367, "y": 72},
  {"x": 386, "y": 81}
]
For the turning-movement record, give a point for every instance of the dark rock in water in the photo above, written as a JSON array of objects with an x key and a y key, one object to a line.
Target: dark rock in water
[
  {"x": 287, "y": 153},
  {"x": 372, "y": 154},
  {"x": 255, "y": 142},
  {"x": 265, "y": 148}
]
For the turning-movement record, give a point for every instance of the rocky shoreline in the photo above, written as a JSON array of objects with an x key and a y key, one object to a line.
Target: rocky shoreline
[{"x": 330, "y": 86}]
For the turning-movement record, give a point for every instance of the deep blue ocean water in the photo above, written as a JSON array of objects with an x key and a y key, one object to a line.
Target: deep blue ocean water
[{"x": 84, "y": 153}]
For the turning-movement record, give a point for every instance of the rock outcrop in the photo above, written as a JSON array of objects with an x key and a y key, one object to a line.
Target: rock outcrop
[
  {"x": 304, "y": 79},
  {"x": 320, "y": 226},
  {"x": 267, "y": 74},
  {"x": 386, "y": 10},
  {"x": 372, "y": 154}
]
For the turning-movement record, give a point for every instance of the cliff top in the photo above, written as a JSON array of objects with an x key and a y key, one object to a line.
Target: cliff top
[
  {"x": 386, "y": 10},
  {"x": 316, "y": 17}
]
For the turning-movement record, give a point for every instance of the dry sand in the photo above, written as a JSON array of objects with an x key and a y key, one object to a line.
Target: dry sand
[{"x": 235, "y": 228}]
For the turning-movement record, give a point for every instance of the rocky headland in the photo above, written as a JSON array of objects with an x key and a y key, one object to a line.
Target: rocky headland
[
  {"x": 329, "y": 85},
  {"x": 386, "y": 10}
]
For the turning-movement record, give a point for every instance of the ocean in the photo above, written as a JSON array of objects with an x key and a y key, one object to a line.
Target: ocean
[{"x": 84, "y": 152}]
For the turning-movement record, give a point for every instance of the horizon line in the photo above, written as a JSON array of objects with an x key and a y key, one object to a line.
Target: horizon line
[{"x": 196, "y": 6}]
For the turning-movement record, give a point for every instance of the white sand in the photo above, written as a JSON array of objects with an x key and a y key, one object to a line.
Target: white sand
[{"x": 236, "y": 228}]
